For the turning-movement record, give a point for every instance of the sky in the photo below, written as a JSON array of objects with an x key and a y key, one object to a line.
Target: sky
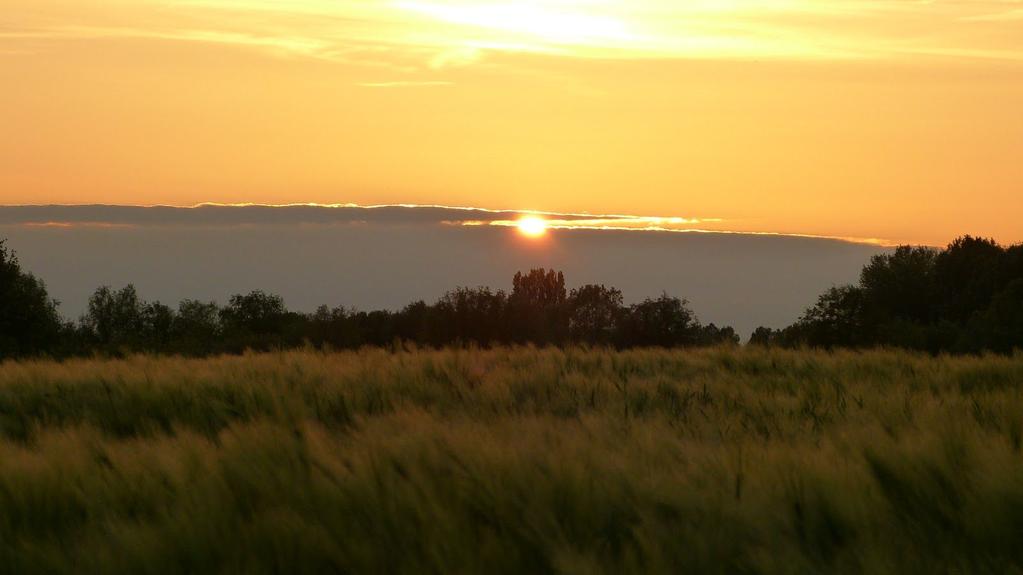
[{"x": 885, "y": 120}]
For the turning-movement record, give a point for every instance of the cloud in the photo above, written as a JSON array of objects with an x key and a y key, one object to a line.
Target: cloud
[
  {"x": 220, "y": 215},
  {"x": 441, "y": 34},
  {"x": 1002, "y": 16},
  {"x": 456, "y": 57},
  {"x": 405, "y": 84}
]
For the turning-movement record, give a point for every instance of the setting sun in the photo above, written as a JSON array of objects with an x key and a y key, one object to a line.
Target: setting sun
[{"x": 532, "y": 227}]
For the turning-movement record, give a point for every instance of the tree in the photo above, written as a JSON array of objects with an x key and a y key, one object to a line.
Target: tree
[
  {"x": 664, "y": 322},
  {"x": 196, "y": 327},
  {"x": 900, "y": 285},
  {"x": 157, "y": 326},
  {"x": 257, "y": 320},
  {"x": 29, "y": 322},
  {"x": 1012, "y": 268},
  {"x": 537, "y": 307},
  {"x": 710, "y": 335},
  {"x": 471, "y": 315},
  {"x": 1000, "y": 327},
  {"x": 835, "y": 320},
  {"x": 960, "y": 299},
  {"x": 764, "y": 336},
  {"x": 417, "y": 322},
  {"x": 967, "y": 272},
  {"x": 375, "y": 328},
  {"x": 539, "y": 310},
  {"x": 593, "y": 313},
  {"x": 114, "y": 319}
]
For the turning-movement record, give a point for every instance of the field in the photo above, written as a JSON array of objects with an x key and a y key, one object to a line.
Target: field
[{"x": 514, "y": 460}]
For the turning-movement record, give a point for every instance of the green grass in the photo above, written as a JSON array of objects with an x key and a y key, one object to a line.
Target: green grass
[{"x": 514, "y": 460}]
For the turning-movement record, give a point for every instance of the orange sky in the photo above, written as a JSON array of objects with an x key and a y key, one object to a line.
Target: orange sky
[{"x": 890, "y": 119}]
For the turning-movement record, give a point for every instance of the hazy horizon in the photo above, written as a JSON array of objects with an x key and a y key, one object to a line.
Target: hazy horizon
[{"x": 385, "y": 258}]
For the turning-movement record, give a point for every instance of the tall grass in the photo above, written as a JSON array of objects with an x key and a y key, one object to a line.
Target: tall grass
[{"x": 514, "y": 460}]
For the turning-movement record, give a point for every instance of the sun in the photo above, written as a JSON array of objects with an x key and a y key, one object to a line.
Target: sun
[{"x": 532, "y": 226}]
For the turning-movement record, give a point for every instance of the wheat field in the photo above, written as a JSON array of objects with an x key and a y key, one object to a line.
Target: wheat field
[{"x": 513, "y": 460}]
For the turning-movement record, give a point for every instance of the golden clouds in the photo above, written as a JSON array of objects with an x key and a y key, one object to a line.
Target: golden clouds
[
  {"x": 857, "y": 118},
  {"x": 410, "y": 33}
]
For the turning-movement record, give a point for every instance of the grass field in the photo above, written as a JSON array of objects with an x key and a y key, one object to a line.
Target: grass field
[{"x": 514, "y": 460}]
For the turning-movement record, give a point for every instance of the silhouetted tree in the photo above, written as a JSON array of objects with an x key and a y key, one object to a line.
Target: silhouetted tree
[
  {"x": 157, "y": 327},
  {"x": 968, "y": 272},
  {"x": 665, "y": 322},
  {"x": 196, "y": 328},
  {"x": 764, "y": 336},
  {"x": 900, "y": 285},
  {"x": 114, "y": 320},
  {"x": 1000, "y": 327},
  {"x": 29, "y": 323},
  {"x": 960, "y": 299},
  {"x": 537, "y": 311},
  {"x": 417, "y": 322},
  {"x": 593, "y": 314},
  {"x": 471, "y": 315},
  {"x": 537, "y": 307},
  {"x": 257, "y": 320},
  {"x": 1012, "y": 267},
  {"x": 836, "y": 320},
  {"x": 376, "y": 328},
  {"x": 711, "y": 335}
]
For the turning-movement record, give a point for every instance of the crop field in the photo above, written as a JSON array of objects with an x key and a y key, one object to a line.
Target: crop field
[{"x": 517, "y": 460}]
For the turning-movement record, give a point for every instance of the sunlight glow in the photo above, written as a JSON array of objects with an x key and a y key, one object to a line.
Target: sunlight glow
[
  {"x": 532, "y": 226},
  {"x": 527, "y": 23},
  {"x": 602, "y": 106}
]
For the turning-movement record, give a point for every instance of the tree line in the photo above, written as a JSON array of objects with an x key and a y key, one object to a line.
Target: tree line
[
  {"x": 539, "y": 310},
  {"x": 965, "y": 298}
]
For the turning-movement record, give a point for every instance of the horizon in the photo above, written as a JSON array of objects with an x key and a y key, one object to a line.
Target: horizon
[
  {"x": 386, "y": 257},
  {"x": 552, "y": 220}
]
